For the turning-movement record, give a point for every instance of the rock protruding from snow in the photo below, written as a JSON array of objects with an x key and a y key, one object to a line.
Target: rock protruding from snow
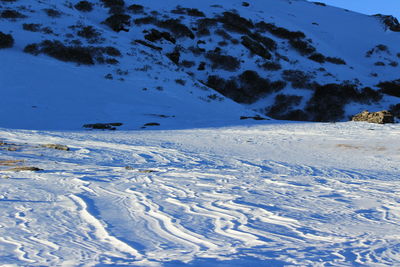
[
  {"x": 380, "y": 117},
  {"x": 56, "y": 146},
  {"x": 391, "y": 22}
]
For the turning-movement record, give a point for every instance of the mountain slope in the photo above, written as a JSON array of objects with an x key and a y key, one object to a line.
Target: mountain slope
[
  {"x": 41, "y": 92},
  {"x": 275, "y": 57}
]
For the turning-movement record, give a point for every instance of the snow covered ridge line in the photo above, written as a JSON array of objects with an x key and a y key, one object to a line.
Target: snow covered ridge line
[{"x": 285, "y": 59}]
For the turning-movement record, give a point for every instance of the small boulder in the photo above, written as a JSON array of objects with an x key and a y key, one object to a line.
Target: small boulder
[
  {"x": 152, "y": 124},
  {"x": 56, "y": 146},
  {"x": 256, "y": 118},
  {"x": 380, "y": 117},
  {"x": 103, "y": 126},
  {"x": 24, "y": 168}
]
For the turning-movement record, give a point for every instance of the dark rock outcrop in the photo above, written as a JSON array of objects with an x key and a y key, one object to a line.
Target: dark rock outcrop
[
  {"x": 103, "y": 126},
  {"x": 390, "y": 22}
]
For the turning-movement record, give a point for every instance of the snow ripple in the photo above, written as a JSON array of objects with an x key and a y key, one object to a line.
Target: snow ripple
[{"x": 176, "y": 205}]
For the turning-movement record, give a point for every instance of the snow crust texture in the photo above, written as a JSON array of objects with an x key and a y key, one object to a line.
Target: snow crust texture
[{"x": 273, "y": 195}]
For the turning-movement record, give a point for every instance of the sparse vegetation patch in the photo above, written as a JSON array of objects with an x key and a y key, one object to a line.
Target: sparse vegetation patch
[
  {"x": 85, "y": 55},
  {"x": 225, "y": 62},
  {"x": 11, "y": 14},
  {"x": 6, "y": 40},
  {"x": 84, "y": 6},
  {"x": 390, "y": 87}
]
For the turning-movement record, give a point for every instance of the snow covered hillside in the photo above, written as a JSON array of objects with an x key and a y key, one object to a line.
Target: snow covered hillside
[
  {"x": 69, "y": 63},
  {"x": 275, "y": 195}
]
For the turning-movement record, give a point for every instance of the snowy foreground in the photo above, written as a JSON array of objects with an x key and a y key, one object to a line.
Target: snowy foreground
[{"x": 272, "y": 195}]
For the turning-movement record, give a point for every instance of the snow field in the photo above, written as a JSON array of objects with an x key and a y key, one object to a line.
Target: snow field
[{"x": 171, "y": 198}]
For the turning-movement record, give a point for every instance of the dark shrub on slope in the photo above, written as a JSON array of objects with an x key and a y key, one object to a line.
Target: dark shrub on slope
[
  {"x": 247, "y": 88},
  {"x": 255, "y": 47},
  {"x": 253, "y": 85},
  {"x": 204, "y": 25},
  {"x": 224, "y": 62},
  {"x": 84, "y": 6},
  {"x": 145, "y": 20},
  {"x": 52, "y": 13},
  {"x": 271, "y": 66},
  {"x": 32, "y": 27},
  {"x": 156, "y": 35},
  {"x": 319, "y": 3},
  {"x": 113, "y": 3},
  {"x": 118, "y": 22},
  {"x": 234, "y": 22},
  {"x": 109, "y": 50},
  {"x": 176, "y": 27},
  {"x": 317, "y": 57},
  {"x": 279, "y": 31},
  {"x": 390, "y": 88},
  {"x": 11, "y": 14},
  {"x": 328, "y": 101},
  {"x": 335, "y": 60},
  {"x": 303, "y": 47},
  {"x": 266, "y": 41},
  {"x": 175, "y": 55},
  {"x": 88, "y": 32},
  {"x": 395, "y": 110},
  {"x": 298, "y": 78},
  {"x": 86, "y": 55},
  {"x": 283, "y": 106},
  {"x": 56, "y": 49},
  {"x": 195, "y": 12},
  {"x": 188, "y": 11},
  {"x": 136, "y": 9},
  {"x": 367, "y": 95},
  {"x": 6, "y": 40}
]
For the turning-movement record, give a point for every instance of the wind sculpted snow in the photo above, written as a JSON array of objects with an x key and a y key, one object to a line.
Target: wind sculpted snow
[{"x": 273, "y": 195}]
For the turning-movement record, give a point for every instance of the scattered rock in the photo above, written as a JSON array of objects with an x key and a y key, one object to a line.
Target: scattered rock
[
  {"x": 161, "y": 115},
  {"x": 257, "y": 118},
  {"x": 25, "y": 168},
  {"x": 10, "y": 162},
  {"x": 12, "y": 148},
  {"x": 103, "y": 126},
  {"x": 380, "y": 117},
  {"x": 147, "y": 171},
  {"x": 130, "y": 168},
  {"x": 152, "y": 124},
  {"x": 245, "y": 4},
  {"x": 56, "y": 146}
]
